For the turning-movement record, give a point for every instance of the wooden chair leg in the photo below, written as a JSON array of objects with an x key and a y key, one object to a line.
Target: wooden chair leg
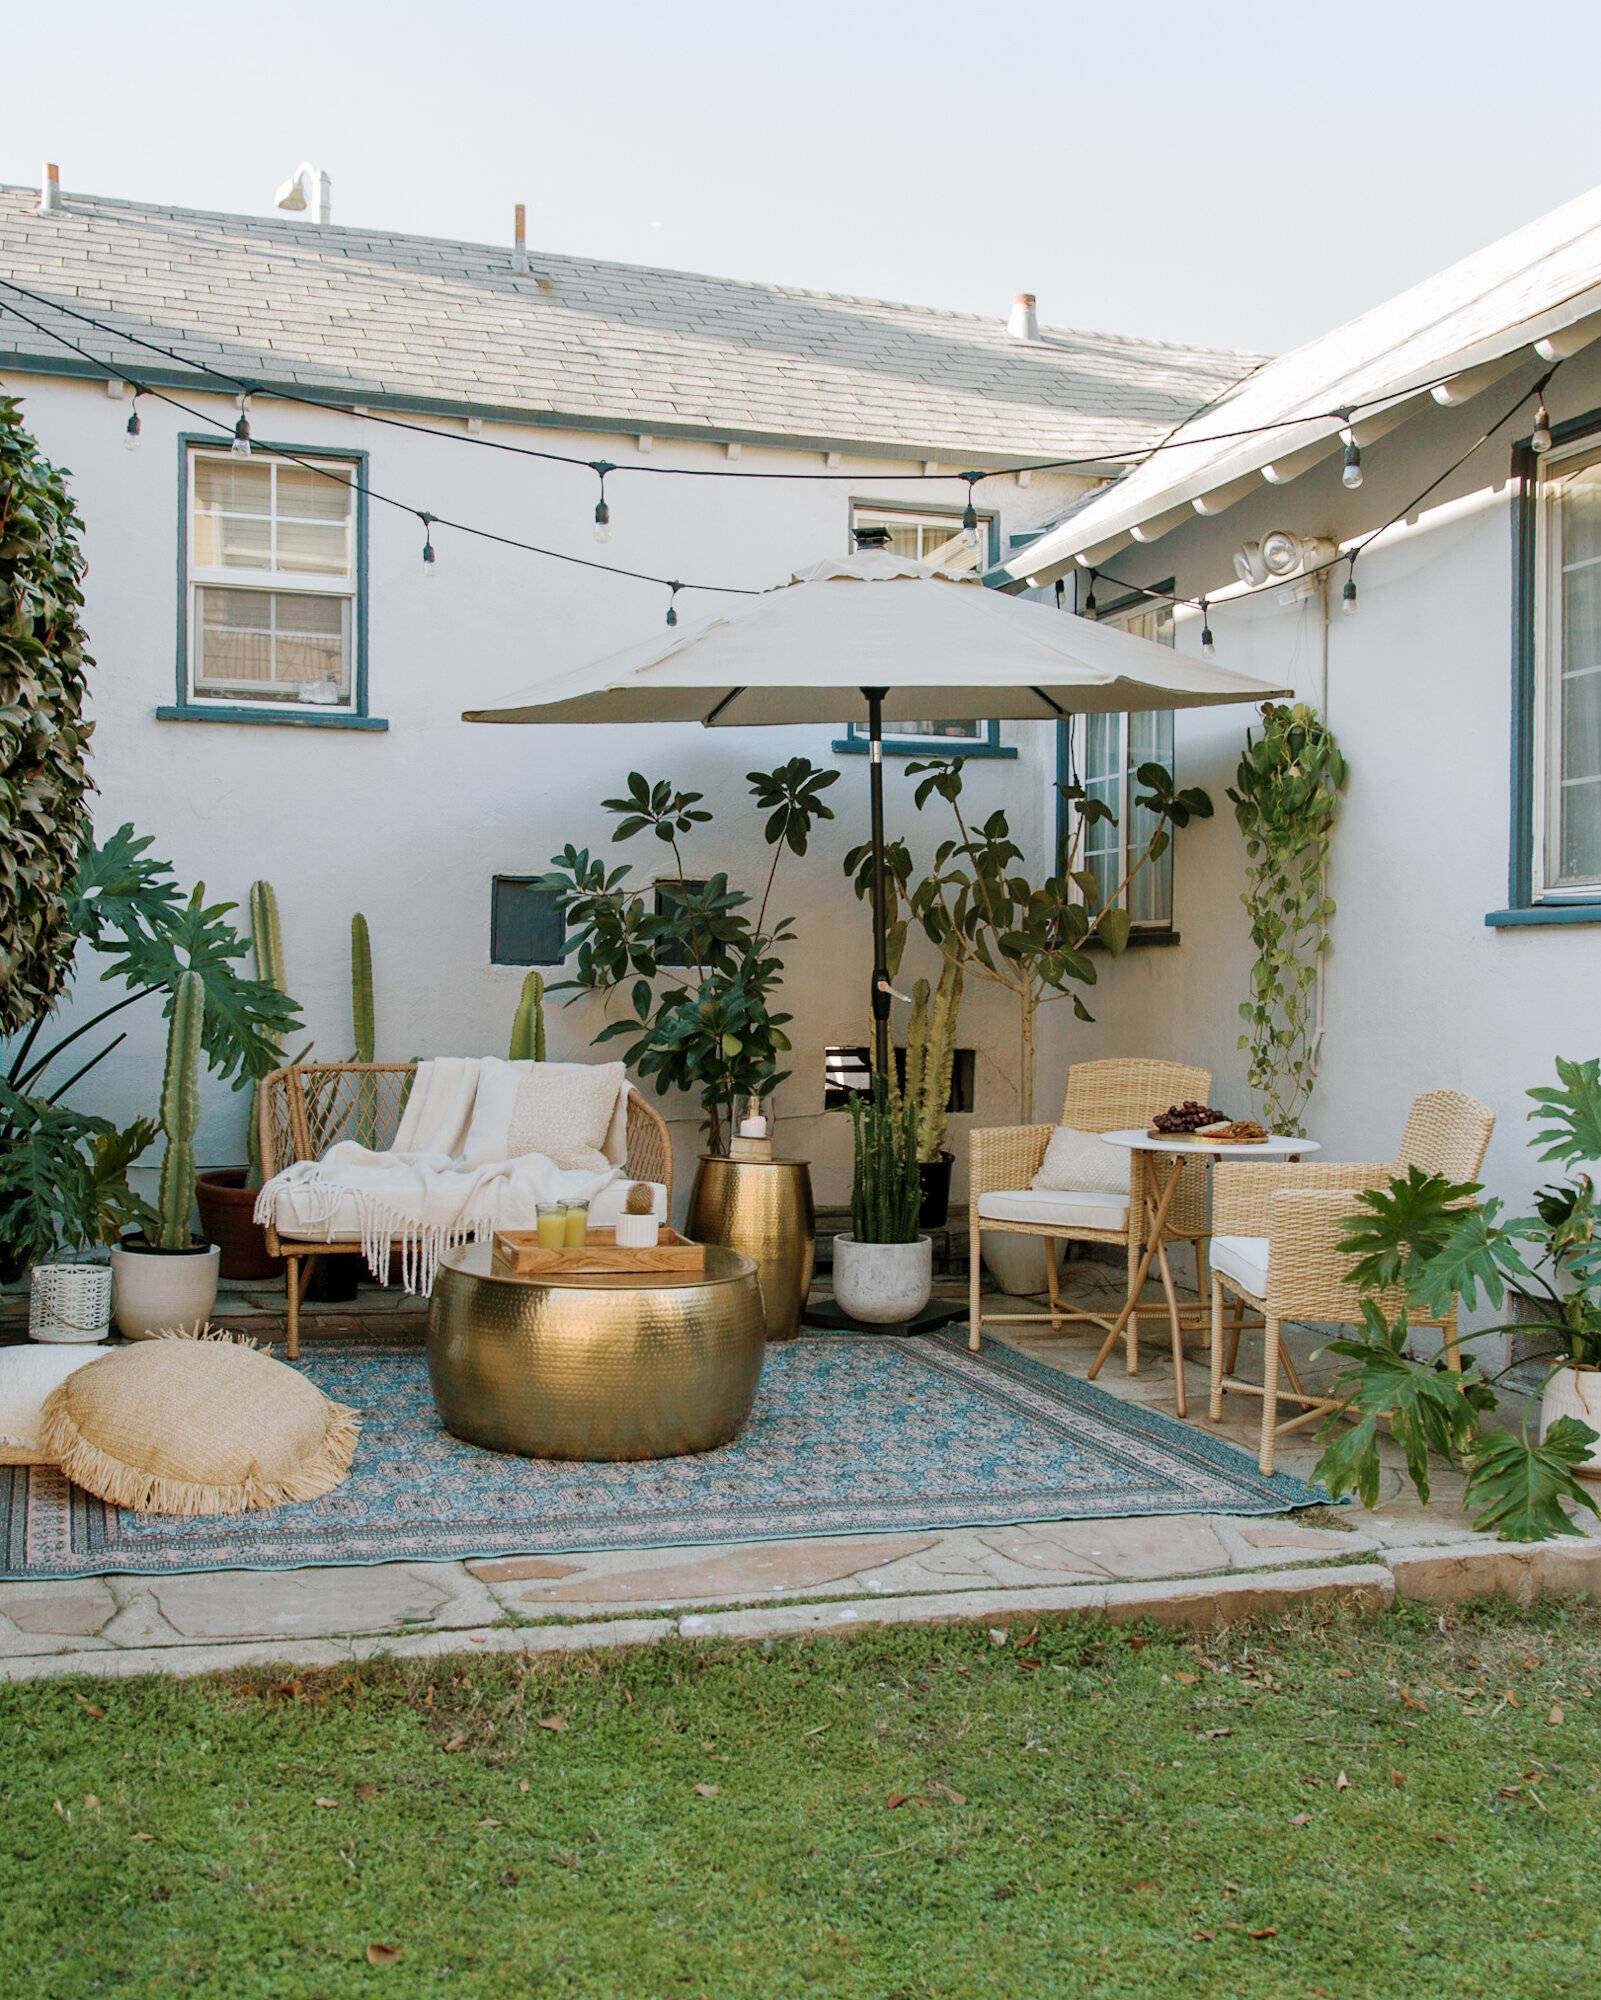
[
  {"x": 1215, "y": 1350},
  {"x": 293, "y": 1282},
  {"x": 1270, "y": 1393},
  {"x": 975, "y": 1287}
]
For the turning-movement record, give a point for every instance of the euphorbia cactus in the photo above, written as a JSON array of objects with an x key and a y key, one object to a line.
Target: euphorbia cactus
[
  {"x": 362, "y": 1015},
  {"x": 266, "y": 936},
  {"x": 180, "y": 1113},
  {"x": 528, "y": 1029}
]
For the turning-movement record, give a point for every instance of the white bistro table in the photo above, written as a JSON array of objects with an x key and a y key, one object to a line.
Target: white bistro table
[{"x": 1157, "y": 1187}]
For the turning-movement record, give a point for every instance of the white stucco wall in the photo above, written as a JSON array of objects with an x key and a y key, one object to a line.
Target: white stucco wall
[
  {"x": 410, "y": 825},
  {"x": 1420, "y": 993}
]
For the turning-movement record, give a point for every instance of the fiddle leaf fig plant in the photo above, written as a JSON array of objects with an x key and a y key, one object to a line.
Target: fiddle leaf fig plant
[
  {"x": 700, "y": 975},
  {"x": 1425, "y": 1241}
]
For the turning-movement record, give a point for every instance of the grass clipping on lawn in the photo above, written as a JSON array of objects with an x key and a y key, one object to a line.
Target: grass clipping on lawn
[{"x": 1344, "y": 1806}]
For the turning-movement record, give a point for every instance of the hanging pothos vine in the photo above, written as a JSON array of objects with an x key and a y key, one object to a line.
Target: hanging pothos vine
[{"x": 1286, "y": 797}]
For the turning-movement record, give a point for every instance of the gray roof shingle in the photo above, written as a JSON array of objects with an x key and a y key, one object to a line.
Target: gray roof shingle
[{"x": 360, "y": 312}]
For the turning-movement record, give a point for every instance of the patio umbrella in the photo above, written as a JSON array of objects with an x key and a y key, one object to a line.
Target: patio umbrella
[{"x": 877, "y": 638}]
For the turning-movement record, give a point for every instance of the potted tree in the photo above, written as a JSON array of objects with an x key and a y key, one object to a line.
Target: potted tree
[
  {"x": 1432, "y": 1240},
  {"x": 166, "y": 1276},
  {"x": 884, "y": 1268}
]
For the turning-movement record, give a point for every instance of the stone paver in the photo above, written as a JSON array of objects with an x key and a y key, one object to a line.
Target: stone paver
[{"x": 1198, "y": 1569}]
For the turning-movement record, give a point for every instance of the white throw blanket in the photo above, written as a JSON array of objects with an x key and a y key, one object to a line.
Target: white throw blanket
[{"x": 422, "y": 1195}]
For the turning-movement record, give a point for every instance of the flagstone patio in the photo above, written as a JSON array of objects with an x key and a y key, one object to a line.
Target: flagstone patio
[{"x": 1200, "y": 1568}]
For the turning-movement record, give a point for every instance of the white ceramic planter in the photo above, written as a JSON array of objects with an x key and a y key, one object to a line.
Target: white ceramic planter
[
  {"x": 69, "y": 1302},
  {"x": 883, "y": 1284},
  {"x": 638, "y": 1232},
  {"x": 1574, "y": 1392},
  {"x": 1016, "y": 1263},
  {"x": 154, "y": 1290}
]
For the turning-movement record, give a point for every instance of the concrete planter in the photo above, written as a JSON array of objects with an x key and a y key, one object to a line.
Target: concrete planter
[
  {"x": 883, "y": 1284},
  {"x": 1016, "y": 1263},
  {"x": 155, "y": 1290},
  {"x": 1572, "y": 1391}
]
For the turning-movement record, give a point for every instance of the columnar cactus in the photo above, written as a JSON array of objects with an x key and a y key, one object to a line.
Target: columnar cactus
[
  {"x": 932, "y": 1093},
  {"x": 528, "y": 1029},
  {"x": 180, "y": 1114},
  {"x": 886, "y": 1192},
  {"x": 266, "y": 937},
  {"x": 362, "y": 1014}
]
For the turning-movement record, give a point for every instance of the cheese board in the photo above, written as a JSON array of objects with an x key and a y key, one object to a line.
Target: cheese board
[{"x": 518, "y": 1253}]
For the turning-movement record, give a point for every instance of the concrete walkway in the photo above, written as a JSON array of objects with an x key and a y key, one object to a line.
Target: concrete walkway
[{"x": 1200, "y": 1569}]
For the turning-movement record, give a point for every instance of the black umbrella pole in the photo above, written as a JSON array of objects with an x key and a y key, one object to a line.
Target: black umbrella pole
[{"x": 881, "y": 985}]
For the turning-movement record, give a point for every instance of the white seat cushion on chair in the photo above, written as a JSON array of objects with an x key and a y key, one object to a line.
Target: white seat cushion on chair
[
  {"x": 1068, "y": 1208},
  {"x": 1244, "y": 1259},
  {"x": 296, "y": 1208}
]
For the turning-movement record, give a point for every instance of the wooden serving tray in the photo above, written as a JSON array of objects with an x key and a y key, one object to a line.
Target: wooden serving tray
[{"x": 518, "y": 1253}]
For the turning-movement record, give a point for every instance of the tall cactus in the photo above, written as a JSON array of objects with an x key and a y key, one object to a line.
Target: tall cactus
[
  {"x": 933, "y": 1095},
  {"x": 362, "y": 1013},
  {"x": 266, "y": 937},
  {"x": 180, "y": 1114},
  {"x": 886, "y": 1192},
  {"x": 528, "y": 1029}
]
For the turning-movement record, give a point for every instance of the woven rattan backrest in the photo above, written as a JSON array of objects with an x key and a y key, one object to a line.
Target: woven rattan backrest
[
  {"x": 1447, "y": 1132},
  {"x": 312, "y": 1106},
  {"x": 1125, "y": 1092}
]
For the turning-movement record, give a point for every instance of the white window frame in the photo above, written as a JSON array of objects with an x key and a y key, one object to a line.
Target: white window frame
[
  {"x": 268, "y": 583},
  {"x": 1126, "y": 616},
  {"x": 1546, "y": 796}
]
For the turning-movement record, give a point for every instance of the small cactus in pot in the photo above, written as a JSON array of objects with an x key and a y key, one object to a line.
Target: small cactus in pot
[{"x": 637, "y": 1227}]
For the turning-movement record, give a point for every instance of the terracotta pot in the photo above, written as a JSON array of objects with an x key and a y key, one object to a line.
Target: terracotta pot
[
  {"x": 227, "y": 1216},
  {"x": 1573, "y": 1391},
  {"x": 153, "y": 1291}
]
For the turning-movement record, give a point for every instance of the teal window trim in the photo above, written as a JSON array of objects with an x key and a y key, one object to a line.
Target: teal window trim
[
  {"x": 1524, "y": 910},
  {"x": 185, "y": 708}
]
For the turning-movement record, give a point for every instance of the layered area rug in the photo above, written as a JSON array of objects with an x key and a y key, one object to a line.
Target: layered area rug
[{"x": 850, "y": 1435}]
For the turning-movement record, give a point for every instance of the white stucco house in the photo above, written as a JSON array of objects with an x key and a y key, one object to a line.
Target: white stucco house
[{"x": 280, "y": 676}]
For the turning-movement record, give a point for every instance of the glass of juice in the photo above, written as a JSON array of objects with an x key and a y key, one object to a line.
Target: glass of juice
[
  {"x": 577, "y": 1225},
  {"x": 551, "y": 1224}
]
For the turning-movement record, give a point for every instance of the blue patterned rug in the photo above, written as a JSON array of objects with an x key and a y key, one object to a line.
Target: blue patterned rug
[{"x": 850, "y": 1435}]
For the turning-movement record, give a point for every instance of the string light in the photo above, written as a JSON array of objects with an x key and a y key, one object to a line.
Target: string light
[
  {"x": 1208, "y": 648},
  {"x": 970, "y": 512},
  {"x": 241, "y": 430},
  {"x": 1348, "y": 594},
  {"x": 1351, "y": 471},
  {"x": 131, "y": 436},
  {"x": 1061, "y": 592},
  {"x": 1089, "y": 601},
  {"x": 672, "y": 608},
  {"x": 602, "y": 511},
  {"x": 427, "y": 542},
  {"x": 1540, "y": 436}
]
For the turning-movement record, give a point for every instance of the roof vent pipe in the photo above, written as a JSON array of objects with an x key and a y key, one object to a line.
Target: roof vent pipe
[
  {"x": 519, "y": 238},
  {"x": 308, "y": 188},
  {"x": 49, "y": 188},
  {"x": 1024, "y": 323}
]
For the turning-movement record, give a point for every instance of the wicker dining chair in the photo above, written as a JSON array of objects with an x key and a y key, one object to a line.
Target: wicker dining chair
[
  {"x": 1276, "y": 1230},
  {"x": 1107, "y": 1096}
]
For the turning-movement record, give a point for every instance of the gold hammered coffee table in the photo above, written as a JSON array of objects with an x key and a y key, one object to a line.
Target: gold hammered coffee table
[{"x": 628, "y": 1365}]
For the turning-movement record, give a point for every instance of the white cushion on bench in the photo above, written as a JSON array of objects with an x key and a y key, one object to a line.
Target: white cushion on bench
[
  {"x": 295, "y": 1204},
  {"x": 1070, "y": 1208},
  {"x": 1244, "y": 1259}
]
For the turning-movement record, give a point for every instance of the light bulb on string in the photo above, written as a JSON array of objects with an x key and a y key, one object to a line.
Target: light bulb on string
[
  {"x": 602, "y": 511},
  {"x": 427, "y": 543},
  {"x": 131, "y": 435},
  {"x": 1540, "y": 436},
  {"x": 1348, "y": 594},
  {"x": 241, "y": 438},
  {"x": 1351, "y": 471},
  {"x": 1208, "y": 647},
  {"x": 672, "y": 607},
  {"x": 970, "y": 512},
  {"x": 1089, "y": 601}
]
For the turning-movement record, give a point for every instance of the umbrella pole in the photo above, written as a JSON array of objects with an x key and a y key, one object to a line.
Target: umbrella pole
[{"x": 881, "y": 989}]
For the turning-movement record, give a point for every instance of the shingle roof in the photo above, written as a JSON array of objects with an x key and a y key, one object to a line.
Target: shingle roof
[
  {"x": 1530, "y": 285},
  {"x": 368, "y": 312}
]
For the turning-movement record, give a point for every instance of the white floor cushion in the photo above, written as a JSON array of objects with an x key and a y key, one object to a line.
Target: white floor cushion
[
  {"x": 1070, "y": 1208},
  {"x": 1244, "y": 1259},
  {"x": 27, "y": 1376},
  {"x": 294, "y": 1203}
]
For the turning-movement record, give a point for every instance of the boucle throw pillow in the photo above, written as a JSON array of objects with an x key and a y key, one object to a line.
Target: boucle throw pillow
[
  {"x": 27, "y": 1375},
  {"x": 561, "y": 1109},
  {"x": 1082, "y": 1163},
  {"x": 180, "y": 1425}
]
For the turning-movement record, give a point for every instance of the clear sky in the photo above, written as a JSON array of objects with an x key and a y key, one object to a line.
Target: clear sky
[{"x": 1231, "y": 174}]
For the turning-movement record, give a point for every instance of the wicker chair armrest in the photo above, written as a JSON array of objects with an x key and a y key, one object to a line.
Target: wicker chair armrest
[
  {"x": 649, "y": 1155},
  {"x": 275, "y": 1131},
  {"x": 1242, "y": 1190},
  {"x": 1004, "y": 1156}
]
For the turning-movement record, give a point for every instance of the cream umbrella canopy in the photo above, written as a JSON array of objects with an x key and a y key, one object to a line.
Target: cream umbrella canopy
[{"x": 878, "y": 638}]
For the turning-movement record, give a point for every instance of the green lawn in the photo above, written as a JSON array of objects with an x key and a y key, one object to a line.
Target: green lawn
[{"x": 1370, "y": 1808}]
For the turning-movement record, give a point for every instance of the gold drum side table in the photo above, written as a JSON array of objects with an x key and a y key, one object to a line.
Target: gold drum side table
[
  {"x": 616, "y": 1367},
  {"x": 763, "y": 1208}
]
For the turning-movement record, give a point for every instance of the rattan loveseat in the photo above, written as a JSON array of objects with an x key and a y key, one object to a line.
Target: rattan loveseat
[{"x": 308, "y": 1107}]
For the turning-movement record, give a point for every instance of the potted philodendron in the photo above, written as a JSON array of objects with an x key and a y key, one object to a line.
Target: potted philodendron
[
  {"x": 884, "y": 1269},
  {"x": 72, "y": 1174},
  {"x": 165, "y": 1277},
  {"x": 1433, "y": 1241}
]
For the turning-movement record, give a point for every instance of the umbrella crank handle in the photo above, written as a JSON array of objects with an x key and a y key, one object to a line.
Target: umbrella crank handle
[{"x": 894, "y": 992}]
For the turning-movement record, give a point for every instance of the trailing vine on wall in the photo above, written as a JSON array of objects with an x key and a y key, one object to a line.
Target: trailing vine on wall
[{"x": 1286, "y": 796}]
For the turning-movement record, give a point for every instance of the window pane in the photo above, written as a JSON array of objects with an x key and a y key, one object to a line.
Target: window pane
[
  {"x": 234, "y": 485},
  {"x": 315, "y": 546},
  {"x": 233, "y": 541},
  {"x": 1581, "y": 515},
  {"x": 1150, "y": 741},
  {"x": 272, "y": 645},
  {"x": 1581, "y": 725},
  {"x": 1581, "y": 832},
  {"x": 314, "y": 496}
]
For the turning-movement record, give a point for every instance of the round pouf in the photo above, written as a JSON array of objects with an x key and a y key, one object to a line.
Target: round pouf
[
  {"x": 883, "y": 1284},
  {"x": 616, "y": 1367}
]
